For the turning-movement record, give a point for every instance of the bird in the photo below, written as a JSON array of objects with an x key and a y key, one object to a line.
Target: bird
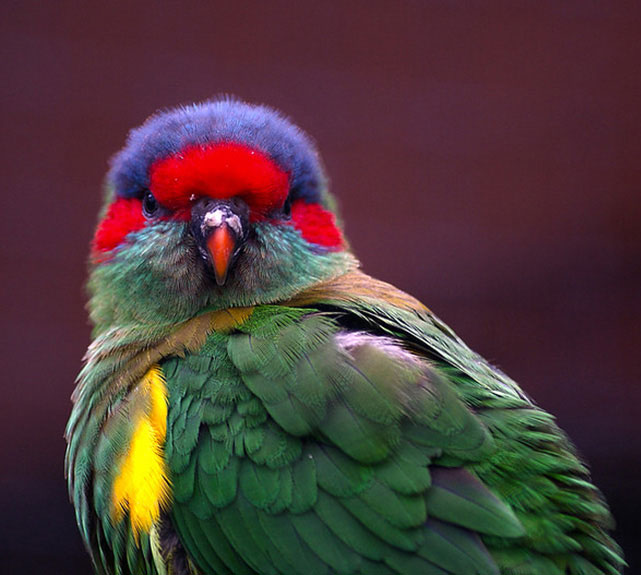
[{"x": 253, "y": 403}]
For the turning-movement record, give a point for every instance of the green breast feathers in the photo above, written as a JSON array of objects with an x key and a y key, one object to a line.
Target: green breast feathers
[{"x": 296, "y": 440}]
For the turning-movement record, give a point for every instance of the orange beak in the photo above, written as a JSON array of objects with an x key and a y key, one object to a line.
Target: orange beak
[{"x": 221, "y": 245}]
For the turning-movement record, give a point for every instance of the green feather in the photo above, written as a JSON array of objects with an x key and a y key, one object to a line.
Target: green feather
[
  {"x": 353, "y": 534},
  {"x": 458, "y": 497},
  {"x": 220, "y": 487},
  {"x": 287, "y": 543},
  {"x": 393, "y": 535},
  {"x": 404, "y": 511},
  {"x": 455, "y": 549},
  {"x": 411, "y": 564},
  {"x": 338, "y": 556},
  {"x": 305, "y": 489},
  {"x": 260, "y": 484},
  {"x": 339, "y": 474}
]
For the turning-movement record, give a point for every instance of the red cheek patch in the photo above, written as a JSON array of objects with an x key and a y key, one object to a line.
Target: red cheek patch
[
  {"x": 317, "y": 225},
  {"x": 123, "y": 216},
  {"x": 220, "y": 171}
]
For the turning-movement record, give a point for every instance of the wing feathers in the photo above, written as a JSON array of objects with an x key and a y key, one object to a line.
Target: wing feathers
[{"x": 341, "y": 468}]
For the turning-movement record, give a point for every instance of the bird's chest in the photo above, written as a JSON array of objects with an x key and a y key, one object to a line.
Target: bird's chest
[
  {"x": 218, "y": 432},
  {"x": 212, "y": 415}
]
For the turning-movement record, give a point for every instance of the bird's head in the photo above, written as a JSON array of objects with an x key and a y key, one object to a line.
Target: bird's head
[{"x": 215, "y": 205}]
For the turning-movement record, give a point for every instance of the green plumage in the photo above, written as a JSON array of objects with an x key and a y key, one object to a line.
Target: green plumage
[
  {"x": 334, "y": 426},
  {"x": 347, "y": 462},
  {"x": 289, "y": 453}
]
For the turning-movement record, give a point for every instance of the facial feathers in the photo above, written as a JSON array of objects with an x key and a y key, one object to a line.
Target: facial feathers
[{"x": 189, "y": 180}]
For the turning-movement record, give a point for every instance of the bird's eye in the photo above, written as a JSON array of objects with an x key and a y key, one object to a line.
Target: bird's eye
[
  {"x": 149, "y": 205},
  {"x": 287, "y": 208}
]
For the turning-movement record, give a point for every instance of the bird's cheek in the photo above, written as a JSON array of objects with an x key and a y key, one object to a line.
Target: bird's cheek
[
  {"x": 123, "y": 216},
  {"x": 317, "y": 225}
]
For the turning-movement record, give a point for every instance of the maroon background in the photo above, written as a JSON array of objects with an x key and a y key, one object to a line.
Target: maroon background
[{"x": 486, "y": 159}]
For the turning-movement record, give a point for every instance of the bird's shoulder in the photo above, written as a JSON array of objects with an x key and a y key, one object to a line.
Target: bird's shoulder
[
  {"x": 297, "y": 440},
  {"x": 384, "y": 309}
]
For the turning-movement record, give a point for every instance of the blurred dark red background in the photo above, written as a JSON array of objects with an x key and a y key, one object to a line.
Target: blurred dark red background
[{"x": 487, "y": 160}]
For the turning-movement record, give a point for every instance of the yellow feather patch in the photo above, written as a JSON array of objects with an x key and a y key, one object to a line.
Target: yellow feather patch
[
  {"x": 142, "y": 485},
  {"x": 158, "y": 396}
]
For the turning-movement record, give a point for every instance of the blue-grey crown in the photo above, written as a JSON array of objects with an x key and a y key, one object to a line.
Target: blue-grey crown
[{"x": 224, "y": 120}]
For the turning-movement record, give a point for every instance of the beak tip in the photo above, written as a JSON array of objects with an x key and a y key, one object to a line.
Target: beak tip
[{"x": 221, "y": 246}]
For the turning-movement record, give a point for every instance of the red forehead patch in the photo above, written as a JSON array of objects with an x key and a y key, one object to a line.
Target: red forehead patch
[{"x": 220, "y": 171}]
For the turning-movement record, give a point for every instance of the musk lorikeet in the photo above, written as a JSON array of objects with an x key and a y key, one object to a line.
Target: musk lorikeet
[{"x": 252, "y": 403}]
